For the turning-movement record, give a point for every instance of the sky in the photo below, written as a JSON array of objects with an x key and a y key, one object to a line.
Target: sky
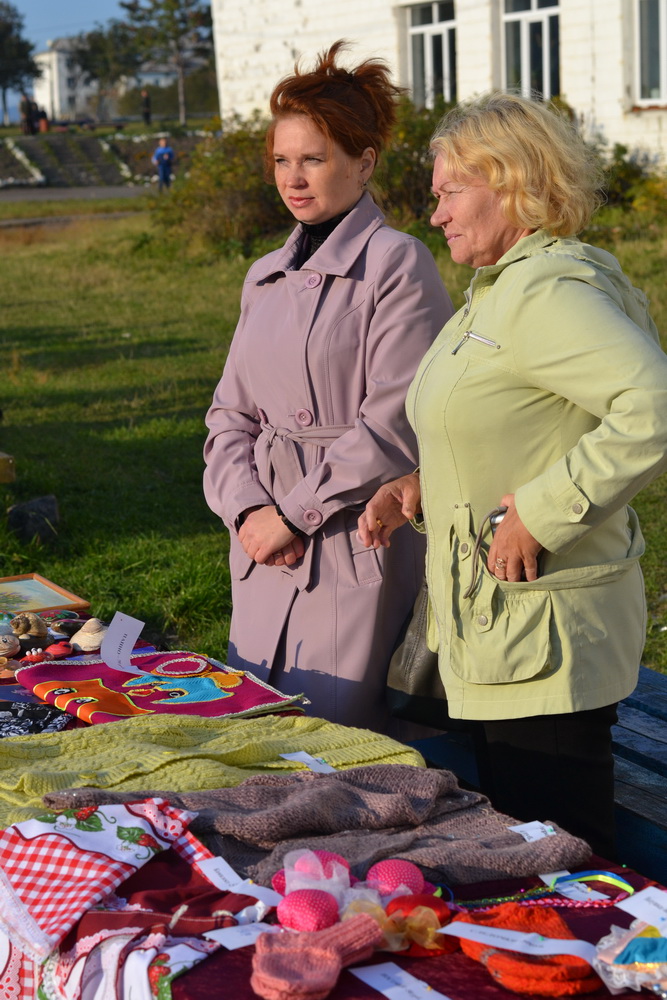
[{"x": 45, "y": 19}]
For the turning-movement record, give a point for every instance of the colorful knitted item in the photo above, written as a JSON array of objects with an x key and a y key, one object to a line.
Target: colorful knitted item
[
  {"x": 306, "y": 966},
  {"x": 553, "y": 975}
]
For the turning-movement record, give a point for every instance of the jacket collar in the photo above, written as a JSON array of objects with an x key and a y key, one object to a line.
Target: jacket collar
[{"x": 337, "y": 254}]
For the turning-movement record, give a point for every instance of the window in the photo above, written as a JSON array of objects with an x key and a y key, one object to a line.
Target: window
[
  {"x": 652, "y": 36},
  {"x": 531, "y": 47},
  {"x": 432, "y": 33}
]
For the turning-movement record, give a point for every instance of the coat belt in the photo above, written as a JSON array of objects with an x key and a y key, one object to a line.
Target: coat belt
[{"x": 277, "y": 457}]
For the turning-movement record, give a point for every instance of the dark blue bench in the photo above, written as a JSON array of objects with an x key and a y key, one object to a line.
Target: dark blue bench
[{"x": 640, "y": 752}]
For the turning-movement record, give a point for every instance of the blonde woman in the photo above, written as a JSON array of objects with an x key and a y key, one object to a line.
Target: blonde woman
[{"x": 546, "y": 394}]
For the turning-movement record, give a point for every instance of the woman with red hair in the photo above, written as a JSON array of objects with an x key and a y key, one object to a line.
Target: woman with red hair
[{"x": 308, "y": 419}]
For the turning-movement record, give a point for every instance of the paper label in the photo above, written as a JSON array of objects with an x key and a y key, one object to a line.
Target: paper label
[
  {"x": 220, "y": 874},
  {"x": 312, "y": 763},
  {"x": 649, "y": 905},
  {"x": 527, "y": 944},
  {"x": 533, "y": 831},
  {"x": 396, "y": 984},
  {"x": 261, "y": 892},
  {"x": 572, "y": 890},
  {"x": 119, "y": 641},
  {"x": 240, "y": 937}
]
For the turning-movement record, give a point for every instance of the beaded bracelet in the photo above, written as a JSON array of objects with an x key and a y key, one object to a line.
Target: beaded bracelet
[{"x": 288, "y": 524}]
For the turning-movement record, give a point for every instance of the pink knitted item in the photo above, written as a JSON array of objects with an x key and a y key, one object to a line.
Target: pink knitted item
[
  {"x": 327, "y": 859},
  {"x": 308, "y": 910},
  {"x": 306, "y": 966},
  {"x": 389, "y": 875}
]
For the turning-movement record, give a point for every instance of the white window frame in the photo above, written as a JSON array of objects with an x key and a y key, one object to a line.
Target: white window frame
[
  {"x": 526, "y": 18},
  {"x": 661, "y": 99},
  {"x": 428, "y": 31}
]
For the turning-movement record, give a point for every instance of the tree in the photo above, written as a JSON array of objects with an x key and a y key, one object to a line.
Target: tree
[
  {"x": 176, "y": 32},
  {"x": 104, "y": 55},
  {"x": 17, "y": 66}
]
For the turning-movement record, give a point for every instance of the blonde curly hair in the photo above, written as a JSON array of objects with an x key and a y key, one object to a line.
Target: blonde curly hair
[{"x": 547, "y": 176}]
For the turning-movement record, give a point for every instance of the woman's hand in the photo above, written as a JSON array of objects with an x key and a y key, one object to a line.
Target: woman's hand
[
  {"x": 393, "y": 505},
  {"x": 266, "y": 538},
  {"x": 514, "y": 551}
]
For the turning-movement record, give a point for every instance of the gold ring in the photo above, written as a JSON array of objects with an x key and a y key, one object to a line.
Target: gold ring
[
  {"x": 500, "y": 563},
  {"x": 379, "y": 522}
]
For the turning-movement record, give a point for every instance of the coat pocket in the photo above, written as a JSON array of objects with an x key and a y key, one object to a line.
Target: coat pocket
[
  {"x": 240, "y": 562},
  {"x": 364, "y": 566},
  {"x": 501, "y": 636}
]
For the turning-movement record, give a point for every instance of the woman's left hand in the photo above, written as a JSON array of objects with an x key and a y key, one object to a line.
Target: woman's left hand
[
  {"x": 514, "y": 551},
  {"x": 266, "y": 538}
]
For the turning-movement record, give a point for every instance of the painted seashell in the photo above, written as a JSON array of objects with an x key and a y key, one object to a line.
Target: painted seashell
[
  {"x": 59, "y": 650},
  {"x": 9, "y": 644},
  {"x": 28, "y": 623},
  {"x": 90, "y": 636}
]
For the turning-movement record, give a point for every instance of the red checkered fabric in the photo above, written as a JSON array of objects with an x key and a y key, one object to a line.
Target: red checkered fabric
[
  {"x": 55, "y": 882},
  {"x": 191, "y": 850},
  {"x": 50, "y": 874}
]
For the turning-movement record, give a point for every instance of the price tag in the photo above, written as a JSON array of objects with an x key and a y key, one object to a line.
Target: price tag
[
  {"x": 240, "y": 937},
  {"x": 119, "y": 641},
  {"x": 396, "y": 984},
  {"x": 649, "y": 905},
  {"x": 220, "y": 874},
  {"x": 312, "y": 763},
  {"x": 533, "y": 831},
  {"x": 527, "y": 944}
]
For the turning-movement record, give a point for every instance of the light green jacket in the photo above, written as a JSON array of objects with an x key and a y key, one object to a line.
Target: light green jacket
[{"x": 550, "y": 383}]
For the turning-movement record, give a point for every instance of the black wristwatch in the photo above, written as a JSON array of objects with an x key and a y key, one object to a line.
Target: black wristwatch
[{"x": 288, "y": 524}]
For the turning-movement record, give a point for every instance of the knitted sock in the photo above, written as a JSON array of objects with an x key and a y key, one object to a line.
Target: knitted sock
[
  {"x": 307, "y": 964},
  {"x": 553, "y": 975}
]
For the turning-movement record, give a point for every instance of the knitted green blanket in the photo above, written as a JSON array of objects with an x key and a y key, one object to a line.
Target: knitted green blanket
[{"x": 182, "y": 754}]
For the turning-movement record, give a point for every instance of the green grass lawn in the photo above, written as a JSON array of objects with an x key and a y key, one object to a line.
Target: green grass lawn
[
  {"x": 73, "y": 206},
  {"x": 113, "y": 344}
]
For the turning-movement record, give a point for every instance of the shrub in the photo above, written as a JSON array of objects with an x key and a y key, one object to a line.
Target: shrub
[{"x": 225, "y": 201}]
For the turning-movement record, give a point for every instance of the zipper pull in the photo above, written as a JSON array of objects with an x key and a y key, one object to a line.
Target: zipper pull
[
  {"x": 471, "y": 335},
  {"x": 461, "y": 342}
]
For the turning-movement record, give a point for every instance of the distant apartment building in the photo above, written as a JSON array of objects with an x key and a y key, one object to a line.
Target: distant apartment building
[
  {"x": 606, "y": 58},
  {"x": 63, "y": 92}
]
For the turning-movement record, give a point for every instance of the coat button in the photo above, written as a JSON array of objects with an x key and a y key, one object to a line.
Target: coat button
[
  {"x": 304, "y": 417},
  {"x": 312, "y": 516},
  {"x": 482, "y": 620},
  {"x": 577, "y": 508},
  {"x": 464, "y": 548},
  {"x": 313, "y": 280}
]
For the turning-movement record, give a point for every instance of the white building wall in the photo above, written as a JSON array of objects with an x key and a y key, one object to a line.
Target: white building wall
[
  {"x": 52, "y": 91},
  {"x": 258, "y": 41}
]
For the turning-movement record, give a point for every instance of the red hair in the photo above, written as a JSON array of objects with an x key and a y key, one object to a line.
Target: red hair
[{"x": 354, "y": 108}]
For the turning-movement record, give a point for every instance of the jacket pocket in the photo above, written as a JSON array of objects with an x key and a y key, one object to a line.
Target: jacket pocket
[{"x": 501, "y": 636}]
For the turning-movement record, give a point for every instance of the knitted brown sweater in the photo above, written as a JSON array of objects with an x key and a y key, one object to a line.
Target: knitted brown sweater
[{"x": 366, "y": 814}]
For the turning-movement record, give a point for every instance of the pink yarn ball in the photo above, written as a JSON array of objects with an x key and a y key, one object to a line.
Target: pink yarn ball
[
  {"x": 308, "y": 910},
  {"x": 389, "y": 875},
  {"x": 327, "y": 859}
]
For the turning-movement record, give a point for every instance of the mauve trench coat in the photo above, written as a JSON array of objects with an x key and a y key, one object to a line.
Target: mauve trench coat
[{"x": 310, "y": 414}]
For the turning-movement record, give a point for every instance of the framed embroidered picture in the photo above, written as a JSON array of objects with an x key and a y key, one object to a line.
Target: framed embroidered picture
[{"x": 32, "y": 592}]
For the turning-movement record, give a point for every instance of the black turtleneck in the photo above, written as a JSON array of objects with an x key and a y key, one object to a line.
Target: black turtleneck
[{"x": 314, "y": 236}]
